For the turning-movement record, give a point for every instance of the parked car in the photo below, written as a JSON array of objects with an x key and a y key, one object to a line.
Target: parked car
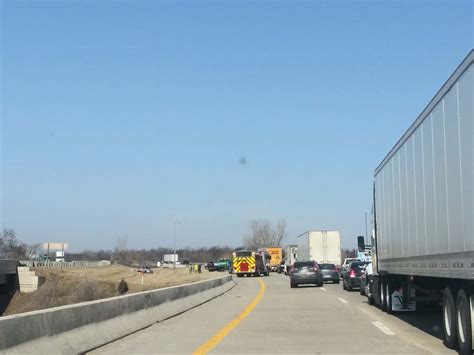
[
  {"x": 306, "y": 272},
  {"x": 330, "y": 272},
  {"x": 351, "y": 277}
]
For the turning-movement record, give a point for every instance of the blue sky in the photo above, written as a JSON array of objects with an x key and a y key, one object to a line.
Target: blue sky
[{"x": 120, "y": 116}]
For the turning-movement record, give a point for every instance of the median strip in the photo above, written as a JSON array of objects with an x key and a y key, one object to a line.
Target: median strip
[{"x": 222, "y": 333}]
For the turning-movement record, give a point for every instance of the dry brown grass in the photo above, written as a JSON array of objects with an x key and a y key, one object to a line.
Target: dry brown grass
[{"x": 74, "y": 285}]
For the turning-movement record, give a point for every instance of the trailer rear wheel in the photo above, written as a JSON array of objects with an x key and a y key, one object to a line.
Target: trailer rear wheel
[
  {"x": 388, "y": 296},
  {"x": 383, "y": 300},
  {"x": 449, "y": 318},
  {"x": 463, "y": 317}
]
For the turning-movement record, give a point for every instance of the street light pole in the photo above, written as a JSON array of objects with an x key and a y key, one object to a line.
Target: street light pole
[{"x": 174, "y": 252}]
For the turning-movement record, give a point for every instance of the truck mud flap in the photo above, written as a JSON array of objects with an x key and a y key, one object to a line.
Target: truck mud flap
[{"x": 398, "y": 301}]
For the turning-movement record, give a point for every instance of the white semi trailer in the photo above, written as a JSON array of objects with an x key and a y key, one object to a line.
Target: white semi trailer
[
  {"x": 322, "y": 246},
  {"x": 423, "y": 197}
]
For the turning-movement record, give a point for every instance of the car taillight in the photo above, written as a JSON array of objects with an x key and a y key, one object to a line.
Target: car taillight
[{"x": 352, "y": 274}]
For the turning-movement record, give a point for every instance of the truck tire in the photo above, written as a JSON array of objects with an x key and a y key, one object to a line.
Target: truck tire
[
  {"x": 371, "y": 300},
  {"x": 449, "y": 318},
  {"x": 239, "y": 275},
  {"x": 383, "y": 299},
  {"x": 464, "y": 325},
  {"x": 388, "y": 296}
]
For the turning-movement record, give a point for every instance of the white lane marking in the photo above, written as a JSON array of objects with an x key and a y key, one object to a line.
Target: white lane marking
[
  {"x": 342, "y": 300},
  {"x": 322, "y": 289},
  {"x": 383, "y": 328}
]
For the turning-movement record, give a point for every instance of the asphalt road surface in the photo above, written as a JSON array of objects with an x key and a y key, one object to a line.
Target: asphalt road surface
[{"x": 256, "y": 318}]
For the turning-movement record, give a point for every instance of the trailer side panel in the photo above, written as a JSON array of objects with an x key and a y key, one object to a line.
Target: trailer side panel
[{"x": 424, "y": 188}]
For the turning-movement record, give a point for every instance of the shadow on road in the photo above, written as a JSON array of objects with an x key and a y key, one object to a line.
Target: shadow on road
[{"x": 427, "y": 319}]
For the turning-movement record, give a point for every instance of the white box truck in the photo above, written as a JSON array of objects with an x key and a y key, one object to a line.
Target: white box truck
[
  {"x": 423, "y": 198},
  {"x": 323, "y": 246}
]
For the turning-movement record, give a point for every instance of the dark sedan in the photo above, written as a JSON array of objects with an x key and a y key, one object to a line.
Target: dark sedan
[
  {"x": 351, "y": 277},
  {"x": 306, "y": 272},
  {"x": 330, "y": 272}
]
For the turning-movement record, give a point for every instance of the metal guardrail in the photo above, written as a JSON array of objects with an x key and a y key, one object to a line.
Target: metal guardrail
[{"x": 64, "y": 264}]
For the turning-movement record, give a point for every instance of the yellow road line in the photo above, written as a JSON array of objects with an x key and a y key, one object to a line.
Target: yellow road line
[{"x": 221, "y": 334}]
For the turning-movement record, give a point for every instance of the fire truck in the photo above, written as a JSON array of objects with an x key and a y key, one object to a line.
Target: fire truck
[{"x": 248, "y": 263}]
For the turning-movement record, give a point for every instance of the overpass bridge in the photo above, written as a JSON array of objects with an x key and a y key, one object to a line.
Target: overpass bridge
[{"x": 8, "y": 281}]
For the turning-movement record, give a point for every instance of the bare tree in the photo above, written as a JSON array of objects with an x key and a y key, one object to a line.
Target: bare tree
[
  {"x": 121, "y": 249},
  {"x": 10, "y": 246},
  {"x": 280, "y": 232},
  {"x": 32, "y": 250},
  {"x": 262, "y": 234}
]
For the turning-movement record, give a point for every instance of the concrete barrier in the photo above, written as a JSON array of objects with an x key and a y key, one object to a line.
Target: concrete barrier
[{"x": 84, "y": 326}]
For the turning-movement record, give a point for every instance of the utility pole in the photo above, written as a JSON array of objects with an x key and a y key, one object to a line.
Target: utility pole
[{"x": 174, "y": 252}]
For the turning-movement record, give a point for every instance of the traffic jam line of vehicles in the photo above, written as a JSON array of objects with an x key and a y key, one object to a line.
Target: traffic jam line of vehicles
[
  {"x": 423, "y": 237},
  {"x": 422, "y": 243}
]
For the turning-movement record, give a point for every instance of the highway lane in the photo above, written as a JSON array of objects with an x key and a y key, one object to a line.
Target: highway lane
[{"x": 306, "y": 320}]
